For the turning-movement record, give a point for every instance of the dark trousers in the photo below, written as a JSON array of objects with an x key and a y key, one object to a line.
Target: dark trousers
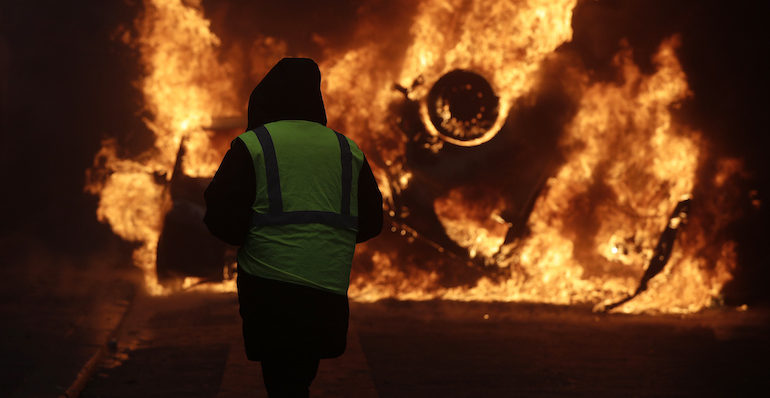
[
  {"x": 285, "y": 320},
  {"x": 289, "y": 377}
]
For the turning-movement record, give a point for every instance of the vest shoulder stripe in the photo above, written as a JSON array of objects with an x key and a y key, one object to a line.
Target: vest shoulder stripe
[
  {"x": 347, "y": 173},
  {"x": 271, "y": 169},
  {"x": 305, "y": 217}
]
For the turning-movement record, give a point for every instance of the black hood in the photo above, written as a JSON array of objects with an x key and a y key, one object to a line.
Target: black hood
[{"x": 290, "y": 91}]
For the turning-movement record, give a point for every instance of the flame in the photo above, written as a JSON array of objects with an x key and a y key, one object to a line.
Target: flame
[
  {"x": 480, "y": 229},
  {"x": 503, "y": 40},
  {"x": 184, "y": 86},
  {"x": 595, "y": 228},
  {"x": 592, "y": 230}
]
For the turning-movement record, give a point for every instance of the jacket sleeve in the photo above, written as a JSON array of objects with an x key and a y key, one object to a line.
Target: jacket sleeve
[
  {"x": 230, "y": 195},
  {"x": 369, "y": 205}
]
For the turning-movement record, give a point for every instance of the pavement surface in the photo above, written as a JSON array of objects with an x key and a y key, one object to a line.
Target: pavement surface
[
  {"x": 84, "y": 328},
  {"x": 57, "y": 314},
  {"x": 189, "y": 345}
]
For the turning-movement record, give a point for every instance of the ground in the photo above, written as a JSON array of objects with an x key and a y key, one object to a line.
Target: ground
[
  {"x": 189, "y": 344},
  {"x": 92, "y": 332}
]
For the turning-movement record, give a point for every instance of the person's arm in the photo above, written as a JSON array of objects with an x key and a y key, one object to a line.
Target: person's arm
[
  {"x": 230, "y": 195},
  {"x": 369, "y": 205}
]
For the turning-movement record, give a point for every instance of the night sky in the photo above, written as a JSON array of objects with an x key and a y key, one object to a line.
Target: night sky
[{"x": 67, "y": 82}]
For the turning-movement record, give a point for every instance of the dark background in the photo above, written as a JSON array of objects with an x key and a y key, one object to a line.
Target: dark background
[{"x": 67, "y": 82}]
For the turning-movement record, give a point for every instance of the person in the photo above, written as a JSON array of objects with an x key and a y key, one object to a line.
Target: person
[{"x": 296, "y": 196}]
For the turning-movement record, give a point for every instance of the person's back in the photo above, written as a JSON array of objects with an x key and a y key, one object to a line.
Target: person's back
[
  {"x": 296, "y": 196},
  {"x": 308, "y": 233}
]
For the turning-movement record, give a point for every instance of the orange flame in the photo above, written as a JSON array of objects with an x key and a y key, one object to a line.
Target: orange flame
[
  {"x": 594, "y": 227},
  {"x": 184, "y": 85}
]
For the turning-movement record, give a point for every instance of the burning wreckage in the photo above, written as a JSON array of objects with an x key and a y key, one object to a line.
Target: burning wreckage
[
  {"x": 508, "y": 172},
  {"x": 463, "y": 113},
  {"x": 446, "y": 132}
]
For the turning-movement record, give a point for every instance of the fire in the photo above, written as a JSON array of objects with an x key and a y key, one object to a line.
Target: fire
[
  {"x": 184, "y": 86},
  {"x": 505, "y": 40},
  {"x": 478, "y": 228},
  {"x": 593, "y": 228}
]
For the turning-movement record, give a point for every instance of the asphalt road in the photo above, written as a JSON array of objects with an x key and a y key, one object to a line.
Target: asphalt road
[
  {"x": 55, "y": 316},
  {"x": 190, "y": 345}
]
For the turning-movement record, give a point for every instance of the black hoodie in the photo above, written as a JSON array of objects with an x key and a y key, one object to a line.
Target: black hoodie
[{"x": 291, "y": 90}]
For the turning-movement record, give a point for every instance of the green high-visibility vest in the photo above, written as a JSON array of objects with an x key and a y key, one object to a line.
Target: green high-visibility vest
[{"x": 305, "y": 214}]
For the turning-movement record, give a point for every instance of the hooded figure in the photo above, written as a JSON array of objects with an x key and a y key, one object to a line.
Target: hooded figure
[
  {"x": 291, "y": 90},
  {"x": 295, "y": 196}
]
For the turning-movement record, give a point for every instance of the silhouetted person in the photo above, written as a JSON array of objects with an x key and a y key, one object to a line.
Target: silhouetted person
[{"x": 296, "y": 197}]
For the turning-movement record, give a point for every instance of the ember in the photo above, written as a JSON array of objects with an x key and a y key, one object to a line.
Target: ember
[{"x": 582, "y": 231}]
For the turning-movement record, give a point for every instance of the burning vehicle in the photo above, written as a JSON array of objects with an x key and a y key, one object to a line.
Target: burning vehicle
[
  {"x": 186, "y": 249},
  {"x": 509, "y": 171}
]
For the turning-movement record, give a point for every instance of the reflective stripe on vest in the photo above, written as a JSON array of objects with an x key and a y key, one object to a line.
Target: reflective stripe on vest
[{"x": 276, "y": 215}]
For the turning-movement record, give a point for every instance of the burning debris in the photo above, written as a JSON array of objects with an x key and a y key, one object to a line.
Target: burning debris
[
  {"x": 482, "y": 206},
  {"x": 662, "y": 251}
]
